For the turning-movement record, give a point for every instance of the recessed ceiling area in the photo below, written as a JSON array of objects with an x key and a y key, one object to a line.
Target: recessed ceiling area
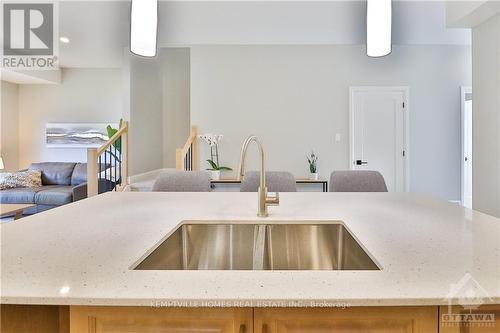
[{"x": 99, "y": 30}]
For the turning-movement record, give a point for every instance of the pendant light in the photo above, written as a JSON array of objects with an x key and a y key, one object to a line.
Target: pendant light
[
  {"x": 144, "y": 27},
  {"x": 378, "y": 28}
]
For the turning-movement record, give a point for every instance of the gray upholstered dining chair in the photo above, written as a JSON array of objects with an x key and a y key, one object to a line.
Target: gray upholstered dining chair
[
  {"x": 276, "y": 181},
  {"x": 182, "y": 181},
  {"x": 357, "y": 181}
]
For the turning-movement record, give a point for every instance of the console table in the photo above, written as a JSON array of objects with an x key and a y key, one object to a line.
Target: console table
[{"x": 322, "y": 182}]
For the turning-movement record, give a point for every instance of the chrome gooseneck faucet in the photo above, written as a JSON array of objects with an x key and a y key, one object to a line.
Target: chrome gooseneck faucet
[{"x": 264, "y": 199}]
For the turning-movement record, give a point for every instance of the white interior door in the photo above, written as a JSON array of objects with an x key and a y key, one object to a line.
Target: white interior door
[
  {"x": 378, "y": 133},
  {"x": 467, "y": 147}
]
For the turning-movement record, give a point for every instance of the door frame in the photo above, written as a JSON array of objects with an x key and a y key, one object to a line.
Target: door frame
[
  {"x": 406, "y": 129},
  {"x": 463, "y": 90}
]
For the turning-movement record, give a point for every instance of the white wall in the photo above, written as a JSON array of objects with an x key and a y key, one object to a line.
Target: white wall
[
  {"x": 158, "y": 90},
  {"x": 486, "y": 117},
  {"x": 295, "y": 98},
  {"x": 144, "y": 91},
  {"x": 85, "y": 95},
  {"x": 176, "y": 101},
  {"x": 146, "y": 118},
  {"x": 9, "y": 122}
]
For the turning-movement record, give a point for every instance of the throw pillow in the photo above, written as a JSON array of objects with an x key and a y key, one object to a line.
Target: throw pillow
[{"x": 30, "y": 178}]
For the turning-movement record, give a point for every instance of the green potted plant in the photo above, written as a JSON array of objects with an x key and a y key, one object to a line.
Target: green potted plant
[
  {"x": 312, "y": 159},
  {"x": 111, "y": 131},
  {"x": 215, "y": 169}
]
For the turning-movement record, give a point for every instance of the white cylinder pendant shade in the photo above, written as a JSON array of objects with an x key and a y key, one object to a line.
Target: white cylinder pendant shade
[
  {"x": 144, "y": 27},
  {"x": 378, "y": 28}
]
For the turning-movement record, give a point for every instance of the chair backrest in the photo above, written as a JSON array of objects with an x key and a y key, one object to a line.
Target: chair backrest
[
  {"x": 182, "y": 181},
  {"x": 357, "y": 181},
  {"x": 276, "y": 181}
]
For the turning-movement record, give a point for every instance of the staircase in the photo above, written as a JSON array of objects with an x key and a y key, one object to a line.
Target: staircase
[
  {"x": 107, "y": 166},
  {"x": 186, "y": 158}
]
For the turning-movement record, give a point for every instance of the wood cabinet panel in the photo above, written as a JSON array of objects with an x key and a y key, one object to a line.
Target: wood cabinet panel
[
  {"x": 485, "y": 319},
  {"x": 86, "y": 319},
  {"x": 89, "y": 319},
  {"x": 34, "y": 319},
  {"x": 349, "y": 320}
]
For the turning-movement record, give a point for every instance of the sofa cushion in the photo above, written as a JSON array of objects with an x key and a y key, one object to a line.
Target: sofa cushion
[
  {"x": 54, "y": 195},
  {"x": 20, "y": 195},
  {"x": 79, "y": 174},
  {"x": 55, "y": 173}
]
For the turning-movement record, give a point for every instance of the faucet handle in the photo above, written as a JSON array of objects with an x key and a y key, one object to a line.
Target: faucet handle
[{"x": 273, "y": 200}]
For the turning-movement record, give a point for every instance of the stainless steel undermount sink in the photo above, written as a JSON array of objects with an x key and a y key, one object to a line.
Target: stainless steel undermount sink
[{"x": 236, "y": 245}]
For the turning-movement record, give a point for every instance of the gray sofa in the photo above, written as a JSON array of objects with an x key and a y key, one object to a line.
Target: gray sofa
[{"x": 62, "y": 183}]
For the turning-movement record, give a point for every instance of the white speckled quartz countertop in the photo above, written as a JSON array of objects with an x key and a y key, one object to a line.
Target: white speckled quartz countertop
[{"x": 424, "y": 245}]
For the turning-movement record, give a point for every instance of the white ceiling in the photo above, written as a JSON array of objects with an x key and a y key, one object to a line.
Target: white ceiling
[
  {"x": 98, "y": 33},
  {"x": 99, "y": 30}
]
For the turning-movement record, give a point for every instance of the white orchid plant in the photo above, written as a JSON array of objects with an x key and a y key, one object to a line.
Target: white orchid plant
[{"x": 213, "y": 141}]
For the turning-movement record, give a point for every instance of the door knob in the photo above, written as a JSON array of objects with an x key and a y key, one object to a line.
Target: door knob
[{"x": 360, "y": 162}]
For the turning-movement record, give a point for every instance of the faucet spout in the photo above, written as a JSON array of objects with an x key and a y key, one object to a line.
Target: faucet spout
[{"x": 264, "y": 199}]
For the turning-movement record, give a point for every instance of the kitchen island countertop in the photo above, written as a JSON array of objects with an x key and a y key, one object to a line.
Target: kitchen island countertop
[{"x": 82, "y": 253}]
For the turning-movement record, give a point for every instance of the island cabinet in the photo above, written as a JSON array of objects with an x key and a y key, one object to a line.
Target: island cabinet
[
  {"x": 485, "y": 319},
  {"x": 117, "y": 319},
  {"x": 89, "y": 319},
  {"x": 256, "y": 320},
  {"x": 34, "y": 318},
  {"x": 348, "y": 320}
]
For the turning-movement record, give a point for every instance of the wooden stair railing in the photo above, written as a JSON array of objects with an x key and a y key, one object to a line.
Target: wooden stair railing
[
  {"x": 186, "y": 158},
  {"x": 107, "y": 166}
]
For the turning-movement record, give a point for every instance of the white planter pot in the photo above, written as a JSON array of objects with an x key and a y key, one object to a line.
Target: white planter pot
[
  {"x": 215, "y": 174},
  {"x": 313, "y": 176}
]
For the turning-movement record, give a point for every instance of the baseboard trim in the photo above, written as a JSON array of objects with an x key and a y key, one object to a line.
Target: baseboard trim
[{"x": 458, "y": 202}]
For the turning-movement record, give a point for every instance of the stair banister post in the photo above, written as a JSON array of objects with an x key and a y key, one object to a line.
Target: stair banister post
[
  {"x": 124, "y": 155},
  {"x": 196, "y": 161},
  {"x": 92, "y": 172}
]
